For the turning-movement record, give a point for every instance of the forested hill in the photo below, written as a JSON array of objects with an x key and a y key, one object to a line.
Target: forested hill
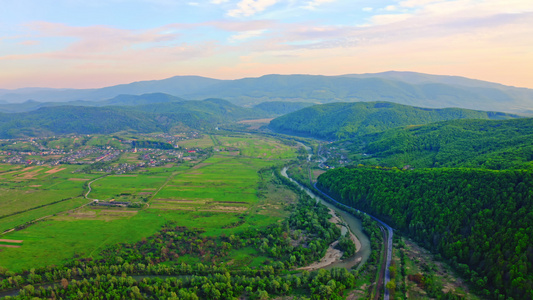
[
  {"x": 480, "y": 220},
  {"x": 506, "y": 144},
  {"x": 344, "y": 120},
  {"x": 160, "y": 117}
]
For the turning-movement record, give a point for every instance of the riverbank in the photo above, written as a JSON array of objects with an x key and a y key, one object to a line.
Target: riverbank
[{"x": 354, "y": 226}]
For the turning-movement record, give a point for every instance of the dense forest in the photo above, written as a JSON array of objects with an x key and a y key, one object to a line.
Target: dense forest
[
  {"x": 506, "y": 144},
  {"x": 156, "y": 117},
  {"x": 479, "y": 220},
  {"x": 345, "y": 120}
]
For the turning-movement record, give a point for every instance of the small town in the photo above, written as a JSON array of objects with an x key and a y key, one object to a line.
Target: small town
[{"x": 118, "y": 156}]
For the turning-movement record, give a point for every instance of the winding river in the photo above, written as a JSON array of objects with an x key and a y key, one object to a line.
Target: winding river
[{"x": 353, "y": 223}]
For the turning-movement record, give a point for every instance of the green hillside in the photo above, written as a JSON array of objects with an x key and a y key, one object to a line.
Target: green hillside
[
  {"x": 155, "y": 117},
  {"x": 458, "y": 143},
  {"x": 344, "y": 120},
  {"x": 480, "y": 220}
]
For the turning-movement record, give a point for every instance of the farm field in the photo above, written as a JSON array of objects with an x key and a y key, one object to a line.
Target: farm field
[
  {"x": 203, "y": 142},
  {"x": 223, "y": 194},
  {"x": 260, "y": 147},
  {"x": 29, "y": 188},
  {"x": 130, "y": 187}
]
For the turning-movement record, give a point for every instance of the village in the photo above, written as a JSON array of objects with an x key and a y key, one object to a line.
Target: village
[{"x": 119, "y": 157}]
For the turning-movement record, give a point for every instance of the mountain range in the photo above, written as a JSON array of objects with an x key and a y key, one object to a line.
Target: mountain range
[{"x": 409, "y": 88}]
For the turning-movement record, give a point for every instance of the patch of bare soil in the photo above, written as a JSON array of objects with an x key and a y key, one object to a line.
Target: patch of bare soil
[
  {"x": 336, "y": 220},
  {"x": 55, "y": 170},
  {"x": 200, "y": 165},
  {"x": 191, "y": 200},
  {"x": 332, "y": 255},
  {"x": 29, "y": 175},
  {"x": 423, "y": 257},
  {"x": 12, "y": 241},
  {"x": 230, "y": 208},
  {"x": 9, "y": 246},
  {"x": 317, "y": 173}
]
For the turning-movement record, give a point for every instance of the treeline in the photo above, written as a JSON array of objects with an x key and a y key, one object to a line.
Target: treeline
[
  {"x": 300, "y": 240},
  {"x": 486, "y": 144},
  {"x": 480, "y": 220},
  {"x": 151, "y": 144},
  {"x": 320, "y": 284}
]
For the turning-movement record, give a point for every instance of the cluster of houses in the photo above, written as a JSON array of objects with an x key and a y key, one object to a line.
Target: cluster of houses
[
  {"x": 110, "y": 203},
  {"x": 88, "y": 156}
]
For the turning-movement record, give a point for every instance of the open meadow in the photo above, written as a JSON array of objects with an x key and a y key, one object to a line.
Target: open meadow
[
  {"x": 257, "y": 146},
  {"x": 28, "y": 192},
  {"x": 223, "y": 194}
]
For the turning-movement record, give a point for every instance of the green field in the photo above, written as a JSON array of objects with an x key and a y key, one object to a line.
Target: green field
[
  {"x": 260, "y": 147},
  {"x": 26, "y": 190},
  {"x": 202, "y": 142},
  {"x": 221, "y": 195},
  {"x": 53, "y": 241},
  {"x": 127, "y": 187}
]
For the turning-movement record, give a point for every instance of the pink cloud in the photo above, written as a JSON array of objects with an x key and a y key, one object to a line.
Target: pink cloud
[
  {"x": 95, "y": 39},
  {"x": 30, "y": 43}
]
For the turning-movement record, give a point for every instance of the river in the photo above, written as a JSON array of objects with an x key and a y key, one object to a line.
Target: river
[{"x": 353, "y": 223}]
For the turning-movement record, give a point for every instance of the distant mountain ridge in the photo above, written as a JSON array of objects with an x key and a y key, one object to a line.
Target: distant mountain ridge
[
  {"x": 407, "y": 88},
  {"x": 120, "y": 100}
]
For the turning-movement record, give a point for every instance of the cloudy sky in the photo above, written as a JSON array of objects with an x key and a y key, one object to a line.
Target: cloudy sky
[{"x": 82, "y": 44}]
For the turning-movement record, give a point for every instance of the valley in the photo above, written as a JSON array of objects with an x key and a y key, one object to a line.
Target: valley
[
  {"x": 203, "y": 199},
  {"x": 220, "y": 185},
  {"x": 266, "y": 150}
]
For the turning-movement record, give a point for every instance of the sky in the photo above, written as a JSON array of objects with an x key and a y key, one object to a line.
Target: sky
[{"x": 97, "y": 43}]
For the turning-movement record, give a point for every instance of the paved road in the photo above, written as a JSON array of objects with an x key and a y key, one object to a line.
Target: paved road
[
  {"x": 388, "y": 231},
  {"x": 388, "y": 243}
]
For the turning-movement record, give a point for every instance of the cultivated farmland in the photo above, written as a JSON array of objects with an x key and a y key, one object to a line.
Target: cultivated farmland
[{"x": 223, "y": 194}]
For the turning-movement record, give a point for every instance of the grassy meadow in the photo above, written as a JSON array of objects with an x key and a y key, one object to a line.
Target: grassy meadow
[
  {"x": 223, "y": 194},
  {"x": 31, "y": 192},
  {"x": 257, "y": 146}
]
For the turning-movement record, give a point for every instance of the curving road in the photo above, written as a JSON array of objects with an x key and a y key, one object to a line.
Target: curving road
[
  {"x": 388, "y": 245},
  {"x": 387, "y": 232},
  {"x": 90, "y": 189}
]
